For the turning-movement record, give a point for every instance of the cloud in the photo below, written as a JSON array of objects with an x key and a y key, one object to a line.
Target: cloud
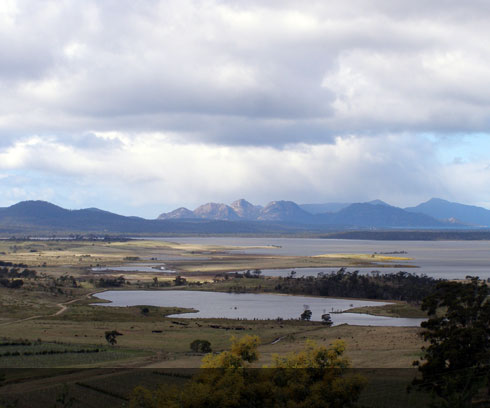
[{"x": 244, "y": 72}]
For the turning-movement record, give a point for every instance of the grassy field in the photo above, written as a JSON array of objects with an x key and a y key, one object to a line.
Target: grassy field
[
  {"x": 42, "y": 354},
  {"x": 398, "y": 309},
  {"x": 169, "y": 338}
]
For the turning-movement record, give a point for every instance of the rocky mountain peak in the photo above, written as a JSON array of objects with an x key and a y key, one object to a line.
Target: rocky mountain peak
[
  {"x": 216, "y": 211},
  {"x": 245, "y": 209},
  {"x": 179, "y": 213}
]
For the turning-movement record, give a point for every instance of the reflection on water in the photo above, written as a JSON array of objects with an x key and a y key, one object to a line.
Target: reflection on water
[{"x": 253, "y": 306}]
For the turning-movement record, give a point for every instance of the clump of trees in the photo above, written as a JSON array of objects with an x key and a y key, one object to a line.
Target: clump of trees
[
  {"x": 399, "y": 286},
  {"x": 455, "y": 366},
  {"x": 12, "y": 275},
  {"x": 16, "y": 272},
  {"x": 11, "y": 284},
  {"x": 11, "y": 264},
  {"x": 311, "y": 378},
  {"x": 110, "y": 282},
  {"x": 255, "y": 274},
  {"x": 180, "y": 281}
]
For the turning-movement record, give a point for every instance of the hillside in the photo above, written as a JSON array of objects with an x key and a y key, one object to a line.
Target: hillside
[{"x": 366, "y": 215}]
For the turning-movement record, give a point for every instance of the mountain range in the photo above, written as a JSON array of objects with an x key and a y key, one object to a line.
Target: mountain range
[
  {"x": 435, "y": 213},
  {"x": 242, "y": 217}
]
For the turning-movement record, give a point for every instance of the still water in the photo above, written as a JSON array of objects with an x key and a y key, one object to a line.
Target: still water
[
  {"x": 439, "y": 259},
  {"x": 253, "y": 306}
]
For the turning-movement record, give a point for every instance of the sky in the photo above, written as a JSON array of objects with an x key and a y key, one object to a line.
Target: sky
[{"x": 142, "y": 106}]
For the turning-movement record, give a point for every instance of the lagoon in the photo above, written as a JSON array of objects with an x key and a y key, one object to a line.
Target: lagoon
[{"x": 253, "y": 306}]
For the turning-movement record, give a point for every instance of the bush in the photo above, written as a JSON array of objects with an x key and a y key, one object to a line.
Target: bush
[{"x": 110, "y": 336}]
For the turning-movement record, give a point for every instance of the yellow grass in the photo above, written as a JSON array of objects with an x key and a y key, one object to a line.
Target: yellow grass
[{"x": 367, "y": 257}]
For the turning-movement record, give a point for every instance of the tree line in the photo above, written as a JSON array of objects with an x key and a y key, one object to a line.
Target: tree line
[{"x": 399, "y": 286}]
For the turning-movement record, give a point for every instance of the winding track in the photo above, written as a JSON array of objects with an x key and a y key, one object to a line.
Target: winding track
[{"x": 63, "y": 308}]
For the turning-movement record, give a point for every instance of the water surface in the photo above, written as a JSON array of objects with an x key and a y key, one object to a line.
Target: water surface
[
  {"x": 439, "y": 259},
  {"x": 253, "y": 306}
]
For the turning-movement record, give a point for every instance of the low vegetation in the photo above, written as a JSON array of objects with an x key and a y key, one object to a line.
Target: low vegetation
[{"x": 404, "y": 310}]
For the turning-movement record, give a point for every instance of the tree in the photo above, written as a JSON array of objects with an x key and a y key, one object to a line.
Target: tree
[
  {"x": 456, "y": 364},
  {"x": 306, "y": 315},
  {"x": 110, "y": 336},
  {"x": 326, "y": 319},
  {"x": 180, "y": 281},
  {"x": 145, "y": 311},
  {"x": 311, "y": 378},
  {"x": 201, "y": 346}
]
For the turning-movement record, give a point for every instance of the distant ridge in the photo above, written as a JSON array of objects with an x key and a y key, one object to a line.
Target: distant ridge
[
  {"x": 332, "y": 207},
  {"x": 374, "y": 214},
  {"x": 323, "y": 208},
  {"x": 241, "y": 217},
  {"x": 366, "y": 215},
  {"x": 40, "y": 217},
  {"x": 446, "y": 210}
]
